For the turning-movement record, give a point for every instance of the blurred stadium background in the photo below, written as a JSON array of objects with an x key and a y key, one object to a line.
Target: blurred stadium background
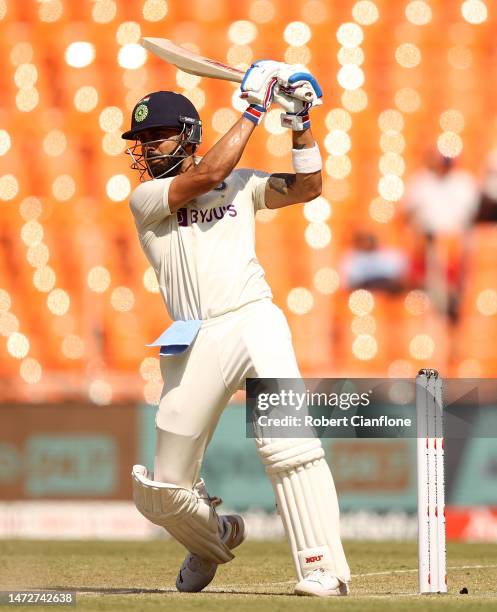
[{"x": 78, "y": 301}]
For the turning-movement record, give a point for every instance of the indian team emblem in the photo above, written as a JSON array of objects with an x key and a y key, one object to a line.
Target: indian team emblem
[{"x": 141, "y": 112}]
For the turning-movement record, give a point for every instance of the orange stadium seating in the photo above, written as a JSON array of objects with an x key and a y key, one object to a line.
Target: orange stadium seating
[{"x": 77, "y": 299}]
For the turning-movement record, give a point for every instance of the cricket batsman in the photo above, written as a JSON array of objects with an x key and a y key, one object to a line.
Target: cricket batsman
[{"x": 195, "y": 220}]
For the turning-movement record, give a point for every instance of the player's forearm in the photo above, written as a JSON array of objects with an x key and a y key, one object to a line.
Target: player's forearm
[
  {"x": 306, "y": 183},
  {"x": 223, "y": 157}
]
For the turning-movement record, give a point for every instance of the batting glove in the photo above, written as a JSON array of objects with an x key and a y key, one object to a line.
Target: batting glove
[
  {"x": 297, "y": 92},
  {"x": 258, "y": 87}
]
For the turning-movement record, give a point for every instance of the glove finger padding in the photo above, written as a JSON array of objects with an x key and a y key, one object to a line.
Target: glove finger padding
[
  {"x": 288, "y": 103},
  {"x": 296, "y": 81},
  {"x": 258, "y": 82}
]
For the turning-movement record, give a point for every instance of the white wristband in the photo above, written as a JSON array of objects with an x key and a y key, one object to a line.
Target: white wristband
[{"x": 306, "y": 161}]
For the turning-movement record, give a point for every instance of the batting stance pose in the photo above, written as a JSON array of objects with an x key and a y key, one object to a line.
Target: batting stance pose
[{"x": 196, "y": 223}]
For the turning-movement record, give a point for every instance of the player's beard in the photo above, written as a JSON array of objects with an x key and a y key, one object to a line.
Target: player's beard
[{"x": 166, "y": 166}]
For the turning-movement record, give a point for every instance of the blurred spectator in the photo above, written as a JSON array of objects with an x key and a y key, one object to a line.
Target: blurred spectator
[
  {"x": 369, "y": 266},
  {"x": 487, "y": 210},
  {"x": 441, "y": 203}
]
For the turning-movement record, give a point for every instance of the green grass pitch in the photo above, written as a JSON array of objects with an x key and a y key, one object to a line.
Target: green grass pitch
[{"x": 141, "y": 575}]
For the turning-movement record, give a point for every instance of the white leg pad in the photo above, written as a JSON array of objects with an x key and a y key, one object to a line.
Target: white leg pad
[
  {"x": 187, "y": 514},
  {"x": 307, "y": 502}
]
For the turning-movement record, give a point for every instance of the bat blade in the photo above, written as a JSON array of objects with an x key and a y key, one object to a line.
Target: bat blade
[{"x": 191, "y": 62}]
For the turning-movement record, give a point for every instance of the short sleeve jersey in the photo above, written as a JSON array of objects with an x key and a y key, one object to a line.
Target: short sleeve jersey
[{"x": 204, "y": 253}]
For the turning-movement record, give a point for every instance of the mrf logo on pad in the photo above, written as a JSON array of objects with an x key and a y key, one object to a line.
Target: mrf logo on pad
[{"x": 313, "y": 559}]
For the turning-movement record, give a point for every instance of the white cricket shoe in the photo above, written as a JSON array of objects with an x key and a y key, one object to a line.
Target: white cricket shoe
[
  {"x": 196, "y": 573},
  {"x": 321, "y": 583}
]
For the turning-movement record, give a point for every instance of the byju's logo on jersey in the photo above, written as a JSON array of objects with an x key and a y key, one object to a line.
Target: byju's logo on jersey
[{"x": 189, "y": 216}]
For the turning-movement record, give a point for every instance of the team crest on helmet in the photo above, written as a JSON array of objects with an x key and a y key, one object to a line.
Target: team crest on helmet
[{"x": 141, "y": 112}]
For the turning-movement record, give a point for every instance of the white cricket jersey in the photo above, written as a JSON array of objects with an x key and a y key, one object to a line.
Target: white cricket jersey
[{"x": 204, "y": 253}]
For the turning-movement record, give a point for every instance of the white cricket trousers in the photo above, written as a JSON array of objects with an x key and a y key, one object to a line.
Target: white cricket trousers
[{"x": 253, "y": 341}]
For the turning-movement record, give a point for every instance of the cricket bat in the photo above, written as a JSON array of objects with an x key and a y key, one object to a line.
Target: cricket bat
[{"x": 191, "y": 62}]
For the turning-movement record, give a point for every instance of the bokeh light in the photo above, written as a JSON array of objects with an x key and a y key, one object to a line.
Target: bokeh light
[
  {"x": 58, "y": 302},
  {"x": 361, "y": 302},
  {"x": 122, "y": 299},
  {"x": 365, "y": 347},
  {"x": 55, "y": 143},
  {"x": 44, "y": 279},
  {"x": 382, "y": 211},
  {"x": 38, "y": 255},
  {"x": 150, "y": 281},
  {"x": 350, "y": 77},
  {"x": 131, "y": 56},
  {"x": 422, "y": 346},
  {"x": 460, "y": 57},
  {"x": 100, "y": 392},
  {"x": 128, "y": 32},
  {"x": 416, "y": 302},
  {"x": 86, "y": 98},
  {"x": 118, "y": 187},
  {"x": 350, "y": 35},
  {"x": 5, "y": 142},
  {"x": 318, "y": 235},
  {"x": 486, "y": 302},
  {"x": 152, "y": 392},
  {"x": 353, "y": 55},
  {"x": 391, "y": 120},
  {"x": 31, "y": 232},
  {"x": 18, "y": 345},
  {"x": 418, "y": 12},
  {"x": 79, "y": 54},
  {"x": 365, "y": 12},
  {"x": 21, "y": 53},
  {"x": 150, "y": 369},
  {"x": 8, "y": 323},
  {"x": 474, "y": 11},
  {"x": 363, "y": 325},
  {"x": 111, "y": 119},
  {"x": 338, "y": 167},
  {"x": 338, "y": 119},
  {"x": 449, "y": 144},
  {"x": 63, "y": 187},
  {"x": 392, "y": 163},
  {"x": 297, "y": 33},
  {"x": 337, "y": 142},
  {"x": 407, "y": 100},
  {"x": 73, "y": 347},
  {"x": 5, "y": 301},
  {"x": 98, "y": 279},
  {"x": 326, "y": 280},
  {"x": 30, "y": 208},
  {"x": 452, "y": 120},
  {"x": 104, "y": 11},
  {"x": 242, "y": 32},
  {"x": 408, "y": 55},
  {"x": 9, "y": 187},
  {"x": 27, "y": 99},
  {"x": 298, "y": 55},
  {"x": 154, "y": 10},
  {"x": 50, "y": 10},
  {"x": 30, "y": 371},
  {"x": 262, "y": 11},
  {"x": 391, "y": 187},
  {"x": 300, "y": 300},
  {"x": 26, "y": 75},
  {"x": 317, "y": 210},
  {"x": 355, "y": 101}
]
